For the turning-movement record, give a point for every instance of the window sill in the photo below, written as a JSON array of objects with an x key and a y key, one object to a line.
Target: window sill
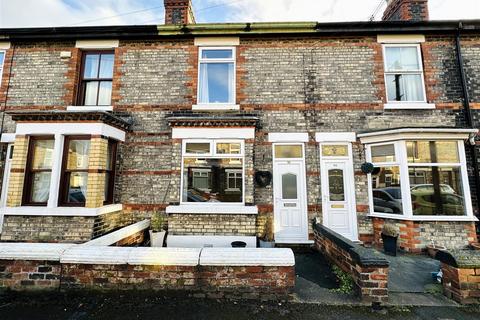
[
  {"x": 212, "y": 209},
  {"x": 214, "y": 107},
  {"x": 409, "y": 105},
  {"x": 60, "y": 211},
  {"x": 424, "y": 218},
  {"x": 90, "y": 108}
]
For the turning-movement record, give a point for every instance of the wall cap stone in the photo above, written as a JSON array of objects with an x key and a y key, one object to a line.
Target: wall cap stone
[
  {"x": 118, "y": 235},
  {"x": 365, "y": 257},
  {"x": 33, "y": 251},
  {"x": 247, "y": 257},
  {"x": 462, "y": 259},
  {"x": 164, "y": 256}
]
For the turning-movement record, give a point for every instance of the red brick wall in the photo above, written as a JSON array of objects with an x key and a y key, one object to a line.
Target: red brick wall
[
  {"x": 133, "y": 240},
  {"x": 29, "y": 275},
  {"x": 461, "y": 285},
  {"x": 371, "y": 282},
  {"x": 253, "y": 282}
]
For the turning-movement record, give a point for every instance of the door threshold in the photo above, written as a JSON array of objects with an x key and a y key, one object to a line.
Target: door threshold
[{"x": 294, "y": 241}]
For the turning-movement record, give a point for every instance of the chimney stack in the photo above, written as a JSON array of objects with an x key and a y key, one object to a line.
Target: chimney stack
[
  {"x": 178, "y": 12},
  {"x": 406, "y": 10}
]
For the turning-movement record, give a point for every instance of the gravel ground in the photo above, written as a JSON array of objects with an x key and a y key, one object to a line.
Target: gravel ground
[{"x": 141, "y": 306}]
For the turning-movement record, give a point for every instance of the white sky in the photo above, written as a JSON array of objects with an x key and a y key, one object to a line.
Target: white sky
[{"x": 28, "y": 13}]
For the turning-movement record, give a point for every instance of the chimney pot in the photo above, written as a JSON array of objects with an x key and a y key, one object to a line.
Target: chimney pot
[{"x": 406, "y": 10}]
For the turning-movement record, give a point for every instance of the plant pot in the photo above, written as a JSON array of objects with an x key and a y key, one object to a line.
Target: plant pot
[
  {"x": 389, "y": 245},
  {"x": 433, "y": 249},
  {"x": 157, "y": 238},
  {"x": 266, "y": 244}
]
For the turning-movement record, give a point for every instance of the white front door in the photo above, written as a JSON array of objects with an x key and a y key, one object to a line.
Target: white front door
[
  {"x": 6, "y": 179},
  {"x": 290, "y": 201},
  {"x": 338, "y": 195}
]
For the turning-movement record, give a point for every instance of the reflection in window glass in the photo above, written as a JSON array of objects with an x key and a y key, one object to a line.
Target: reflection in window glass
[
  {"x": 216, "y": 83},
  {"x": 436, "y": 191},
  {"x": 386, "y": 189},
  {"x": 229, "y": 148},
  {"x": 76, "y": 171},
  {"x": 39, "y": 171},
  {"x": 336, "y": 185},
  {"x": 334, "y": 151},
  {"x": 206, "y": 180},
  {"x": 402, "y": 59},
  {"x": 385, "y": 153},
  {"x": 289, "y": 186},
  {"x": 288, "y": 151},
  {"x": 197, "y": 147},
  {"x": 217, "y": 54},
  {"x": 432, "y": 152}
]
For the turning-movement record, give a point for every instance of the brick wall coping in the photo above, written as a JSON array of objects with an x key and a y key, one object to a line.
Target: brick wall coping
[
  {"x": 365, "y": 257},
  {"x": 247, "y": 257},
  {"x": 118, "y": 235},
  {"x": 81, "y": 254},
  {"x": 462, "y": 259},
  {"x": 33, "y": 251}
]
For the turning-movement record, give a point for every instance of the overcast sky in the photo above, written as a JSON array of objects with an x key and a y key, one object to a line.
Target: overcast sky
[{"x": 31, "y": 13}]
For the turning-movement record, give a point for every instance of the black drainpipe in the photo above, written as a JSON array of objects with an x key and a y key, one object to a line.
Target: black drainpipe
[{"x": 468, "y": 111}]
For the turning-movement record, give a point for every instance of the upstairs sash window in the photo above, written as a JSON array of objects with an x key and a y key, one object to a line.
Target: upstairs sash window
[
  {"x": 216, "y": 78},
  {"x": 404, "y": 73},
  {"x": 96, "y": 79}
]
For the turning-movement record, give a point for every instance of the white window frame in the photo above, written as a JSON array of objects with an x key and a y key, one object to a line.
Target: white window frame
[
  {"x": 402, "y": 162},
  {"x": 212, "y": 155},
  {"x": 422, "y": 104},
  {"x": 2, "y": 63},
  {"x": 223, "y": 105}
]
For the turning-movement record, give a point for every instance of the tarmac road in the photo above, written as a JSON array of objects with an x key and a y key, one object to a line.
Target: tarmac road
[{"x": 140, "y": 306}]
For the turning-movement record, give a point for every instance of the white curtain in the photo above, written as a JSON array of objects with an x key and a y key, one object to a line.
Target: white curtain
[
  {"x": 203, "y": 86},
  {"x": 412, "y": 87},
  {"x": 231, "y": 83}
]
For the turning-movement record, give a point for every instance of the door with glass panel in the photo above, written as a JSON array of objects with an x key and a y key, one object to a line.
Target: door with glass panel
[
  {"x": 290, "y": 210},
  {"x": 338, "y": 191}
]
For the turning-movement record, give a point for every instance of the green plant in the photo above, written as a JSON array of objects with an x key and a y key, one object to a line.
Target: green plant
[
  {"x": 158, "y": 222},
  {"x": 390, "y": 230},
  {"x": 345, "y": 281}
]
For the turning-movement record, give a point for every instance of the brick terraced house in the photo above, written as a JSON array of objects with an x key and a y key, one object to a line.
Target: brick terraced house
[{"x": 229, "y": 130}]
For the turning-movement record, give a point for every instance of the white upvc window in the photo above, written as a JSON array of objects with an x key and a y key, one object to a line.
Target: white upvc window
[
  {"x": 404, "y": 78},
  {"x": 2, "y": 61},
  {"x": 212, "y": 171},
  {"x": 216, "y": 78},
  {"x": 419, "y": 179}
]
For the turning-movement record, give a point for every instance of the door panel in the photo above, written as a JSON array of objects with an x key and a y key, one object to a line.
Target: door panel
[
  {"x": 338, "y": 198},
  {"x": 290, "y": 204}
]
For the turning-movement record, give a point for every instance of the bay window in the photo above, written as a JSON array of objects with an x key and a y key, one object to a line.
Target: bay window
[
  {"x": 212, "y": 171},
  {"x": 39, "y": 171},
  {"x": 216, "y": 76},
  {"x": 420, "y": 179}
]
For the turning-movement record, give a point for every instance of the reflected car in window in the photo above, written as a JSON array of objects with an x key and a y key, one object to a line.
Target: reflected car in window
[
  {"x": 426, "y": 204},
  {"x": 424, "y": 188},
  {"x": 387, "y": 198}
]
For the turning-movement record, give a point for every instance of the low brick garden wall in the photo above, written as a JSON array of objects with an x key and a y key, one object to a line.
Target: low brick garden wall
[
  {"x": 368, "y": 270},
  {"x": 461, "y": 275},
  {"x": 267, "y": 274}
]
